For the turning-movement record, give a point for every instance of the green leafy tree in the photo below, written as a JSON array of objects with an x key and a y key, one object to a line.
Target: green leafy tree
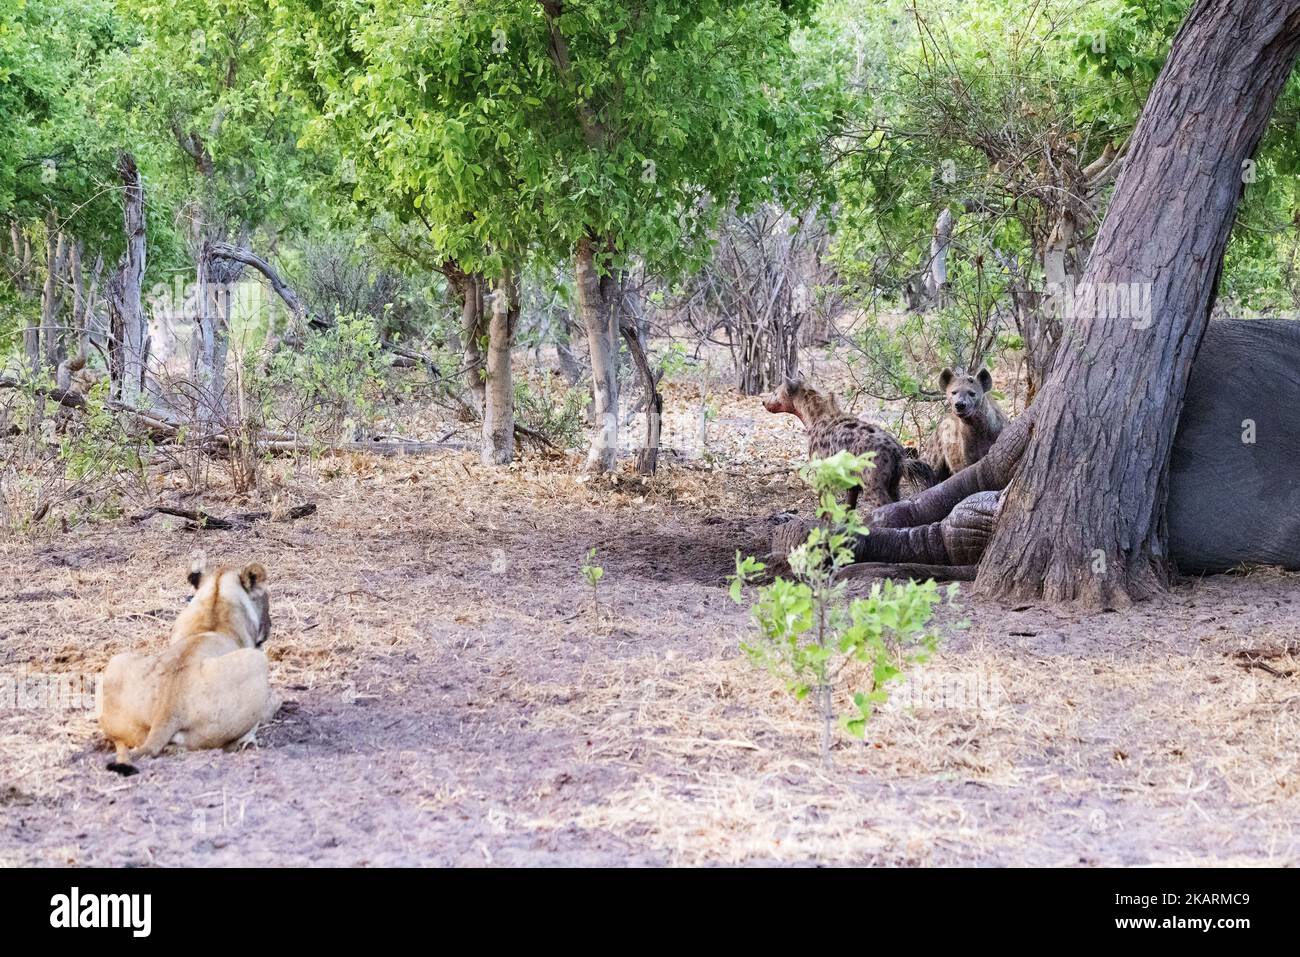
[
  {"x": 58, "y": 208},
  {"x": 217, "y": 146},
  {"x": 590, "y": 132},
  {"x": 1014, "y": 120}
]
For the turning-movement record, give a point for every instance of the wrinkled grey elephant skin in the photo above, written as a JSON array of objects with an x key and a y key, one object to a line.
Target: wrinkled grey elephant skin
[{"x": 1232, "y": 500}]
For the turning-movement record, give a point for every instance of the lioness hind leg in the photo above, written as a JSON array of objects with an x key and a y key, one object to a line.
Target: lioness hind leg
[
  {"x": 160, "y": 735},
  {"x": 269, "y": 707}
]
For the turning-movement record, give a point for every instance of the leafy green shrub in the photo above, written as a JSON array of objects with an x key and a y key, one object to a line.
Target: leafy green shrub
[
  {"x": 95, "y": 447},
  {"x": 552, "y": 410},
  {"x": 335, "y": 381},
  {"x": 74, "y": 464},
  {"x": 673, "y": 361},
  {"x": 809, "y": 636}
]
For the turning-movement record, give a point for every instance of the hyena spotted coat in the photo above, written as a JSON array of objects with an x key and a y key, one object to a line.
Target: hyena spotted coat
[
  {"x": 831, "y": 430},
  {"x": 970, "y": 425}
]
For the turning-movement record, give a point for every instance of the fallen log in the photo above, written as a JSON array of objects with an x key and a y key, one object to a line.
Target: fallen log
[
  {"x": 374, "y": 448},
  {"x": 65, "y": 397},
  {"x": 161, "y": 426},
  {"x": 197, "y": 518}
]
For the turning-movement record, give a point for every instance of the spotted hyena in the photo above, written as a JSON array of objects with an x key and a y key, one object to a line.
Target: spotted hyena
[
  {"x": 970, "y": 425},
  {"x": 831, "y": 430}
]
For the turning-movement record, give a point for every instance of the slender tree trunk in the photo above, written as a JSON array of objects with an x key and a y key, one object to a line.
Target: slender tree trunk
[
  {"x": 56, "y": 254},
  {"x": 216, "y": 275},
  {"x": 473, "y": 320},
  {"x": 209, "y": 374},
  {"x": 647, "y": 458},
  {"x": 936, "y": 277},
  {"x": 127, "y": 324},
  {"x": 1084, "y": 519},
  {"x": 93, "y": 325},
  {"x": 21, "y": 276},
  {"x": 499, "y": 404},
  {"x": 598, "y": 305},
  {"x": 570, "y": 367},
  {"x": 77, "y": 273}
]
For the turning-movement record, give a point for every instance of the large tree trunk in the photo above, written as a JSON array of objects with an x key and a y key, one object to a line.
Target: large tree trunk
[
  {"x": 598, "y": 304},
  {"x": 126, "y": 321},
  {"x": 499, "y": 399},
  {"x": 1084, "y": 518}
]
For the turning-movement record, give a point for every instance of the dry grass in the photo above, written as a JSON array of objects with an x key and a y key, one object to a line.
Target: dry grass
[{"x": 453, "y": 699}]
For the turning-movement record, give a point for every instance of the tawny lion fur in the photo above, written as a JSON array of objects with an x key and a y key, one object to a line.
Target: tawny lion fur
[{"x": 209, "y": 688}]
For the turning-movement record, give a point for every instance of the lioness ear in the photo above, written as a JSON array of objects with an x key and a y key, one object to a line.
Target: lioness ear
[
  {"x": 252, "y": 576},
  {"x": 945, "y": 377},
  {"x": 986, "y": 380}
]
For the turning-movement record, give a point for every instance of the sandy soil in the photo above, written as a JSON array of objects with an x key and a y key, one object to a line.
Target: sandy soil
[{"x": 454, "y": 699}]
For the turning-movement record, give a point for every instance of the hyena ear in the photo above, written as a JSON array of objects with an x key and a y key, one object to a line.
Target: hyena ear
[
  {"x": 794, "y": 383},
  {"x": 986, "y": 380},
  {"x": 945, "y": 377},
  {"x": 198, "y": 564},
  {"x": 252, "y": 576}
]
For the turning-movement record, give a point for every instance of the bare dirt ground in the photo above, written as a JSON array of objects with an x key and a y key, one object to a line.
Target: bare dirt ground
[{"x": 452, "y": 698}]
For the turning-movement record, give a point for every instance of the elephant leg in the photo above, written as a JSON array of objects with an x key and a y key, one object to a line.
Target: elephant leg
[
  {"x": 952, "y": 573},
  {"x": 992, "y": 473},
  {"x": 959, "y": 539}
]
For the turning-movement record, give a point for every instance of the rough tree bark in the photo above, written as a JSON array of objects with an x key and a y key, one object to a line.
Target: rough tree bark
[
  {"x": 598, "y": 300},
  {"x": 469, "y": 288},
  {"x": 126, "y": 311},
  {"x": 56, "y": 257},
  {"x": 647, "y": 458},
  {"x": 1084, "y": 517},
  {"x": 499, "y": 398}
]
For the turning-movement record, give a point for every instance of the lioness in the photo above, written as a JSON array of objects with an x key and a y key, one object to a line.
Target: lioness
[{"x": 209, "y": 687}]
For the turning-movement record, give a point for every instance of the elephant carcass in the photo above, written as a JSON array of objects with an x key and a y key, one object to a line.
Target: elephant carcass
[{"x": 1234, "y": 481}]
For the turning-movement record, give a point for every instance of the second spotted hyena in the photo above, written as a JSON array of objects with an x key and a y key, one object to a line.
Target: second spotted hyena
[
  {"x": 970, "y": 426},
  {"x": 831, "y": 430}
]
